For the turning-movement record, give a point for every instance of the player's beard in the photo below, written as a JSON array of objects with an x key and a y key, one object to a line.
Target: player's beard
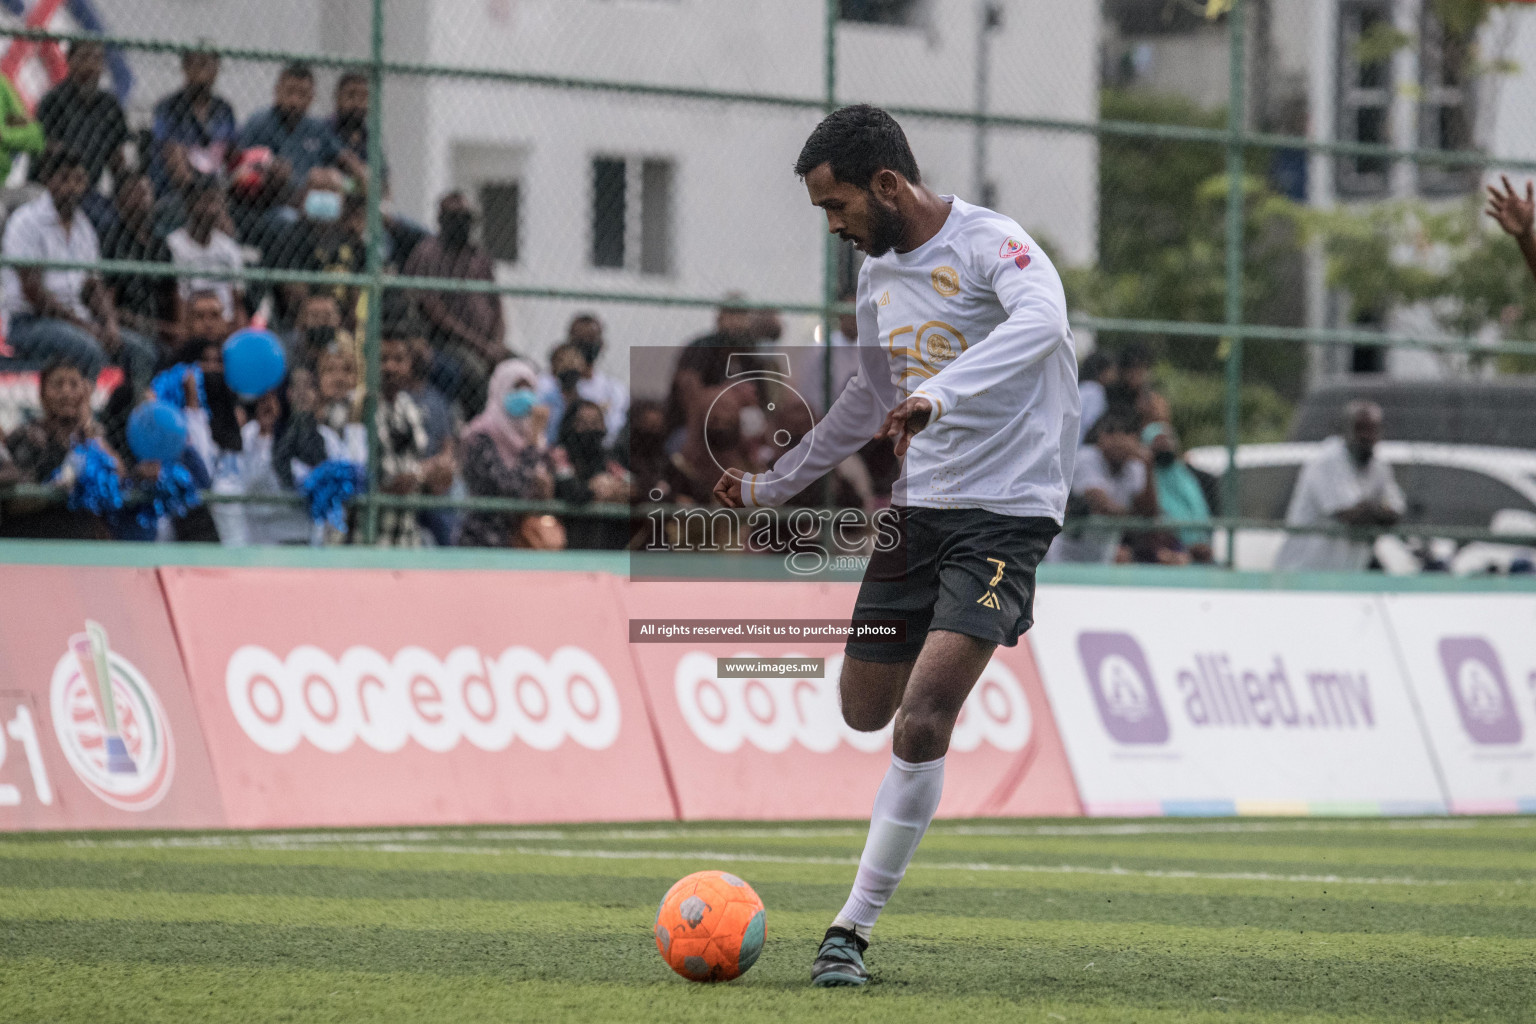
[{"x": 886, "y": 226}]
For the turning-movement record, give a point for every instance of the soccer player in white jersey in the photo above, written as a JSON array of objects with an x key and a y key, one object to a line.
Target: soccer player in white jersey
[{"x": 967, "y": 363}]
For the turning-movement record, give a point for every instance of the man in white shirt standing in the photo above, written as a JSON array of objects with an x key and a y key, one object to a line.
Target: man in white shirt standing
[
  {"x": 1345, "y": 483},
  {"x": 967, "y": 364},
  {"x": 65, "y": 314}
]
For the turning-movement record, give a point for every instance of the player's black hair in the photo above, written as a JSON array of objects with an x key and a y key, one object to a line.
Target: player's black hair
[
  {"x": 58, "y": 158},
  {"x": 859, "y": 142},
  {"x": 348, "y": 78},
  {"x": 297, "y": 69}
]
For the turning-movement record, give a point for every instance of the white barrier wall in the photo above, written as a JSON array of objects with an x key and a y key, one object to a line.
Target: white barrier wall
[
  {"x": 1471, "y": 662},
  {"x": 1183, "y": 701}
]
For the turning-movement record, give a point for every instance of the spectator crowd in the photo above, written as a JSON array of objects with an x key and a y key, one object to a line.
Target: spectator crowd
[
  {"x": 458, "y": 411},
  {"x": 202, "y": 192},
  {"x": 1129, "y": 463}
]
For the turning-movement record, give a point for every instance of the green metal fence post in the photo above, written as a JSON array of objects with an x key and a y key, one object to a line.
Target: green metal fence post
[
  {"x": 1237, "y": 126},
  {"x": 375, "y": 271}
]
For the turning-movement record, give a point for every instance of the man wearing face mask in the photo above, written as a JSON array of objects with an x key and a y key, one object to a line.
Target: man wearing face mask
[
  {"x": 1345, "y": 483},
  {"x": 315, "y": 329},
  {"x": 1180, "y": 492},
  {"x": 296, "y": 237},
  {"x": 558, "y": 389},
  {"x": 467, "y": 328},
  {"x": 609, "y": 394},
  {"x": 584, "y": 472}
]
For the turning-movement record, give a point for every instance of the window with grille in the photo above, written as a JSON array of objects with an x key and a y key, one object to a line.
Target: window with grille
[
  {"x": 632, "y": 214},
  {"x": 1447, "y": 111},
  {"x": 1364, "y": 94},
  {"x": 881, "y": 12},
  {"x": 501, "y": 212}
]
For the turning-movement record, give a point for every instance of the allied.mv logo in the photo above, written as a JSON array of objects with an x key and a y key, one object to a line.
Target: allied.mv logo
[
  {"x": 1481, "y": 695},
  {"x": 1122, "y": 687},
  {"x": 110, "y": 724}
]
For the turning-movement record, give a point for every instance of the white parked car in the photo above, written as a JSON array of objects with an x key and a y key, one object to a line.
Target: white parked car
[{"x": 1446, "y": 484}]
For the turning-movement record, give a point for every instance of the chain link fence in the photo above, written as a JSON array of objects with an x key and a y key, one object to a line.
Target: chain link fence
[{"x": 1257, "y": 216}]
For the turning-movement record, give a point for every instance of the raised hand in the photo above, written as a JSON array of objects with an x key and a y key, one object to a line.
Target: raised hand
[{"x": 1512, "y": 213}]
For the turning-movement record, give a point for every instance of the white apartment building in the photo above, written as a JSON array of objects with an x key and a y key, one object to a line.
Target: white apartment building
[
  {"x": 1306, "y": 77},
  {"x": 600, "y": 191}
]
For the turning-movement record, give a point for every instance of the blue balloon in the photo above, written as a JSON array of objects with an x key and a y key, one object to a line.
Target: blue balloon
[
  {"x": 253, "y": 362},
  {"x": 157, "y": 430}
]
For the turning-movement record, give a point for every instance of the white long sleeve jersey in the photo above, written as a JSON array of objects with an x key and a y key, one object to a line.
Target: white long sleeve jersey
[{"x": 975, "y": 321}]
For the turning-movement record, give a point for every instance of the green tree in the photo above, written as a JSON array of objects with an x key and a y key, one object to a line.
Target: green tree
[
  {"x": 1447, "y": 260},
  {"x": 1162, "y": 252}
]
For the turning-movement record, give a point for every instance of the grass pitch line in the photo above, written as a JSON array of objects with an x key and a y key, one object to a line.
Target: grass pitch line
[
  {"x": 749, "y": 832},
  {"x": 342, "y": 841}
]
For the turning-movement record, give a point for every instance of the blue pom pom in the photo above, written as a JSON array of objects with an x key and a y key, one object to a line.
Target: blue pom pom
[
  {"x": 170, "y": 385},
  {"x": 328, "y": 488},
  {"x": 157, "y": 430},
  {"x": 97, "y": 487},
  {"x": 175, "y": 494},
  {"x": 254, "y": 362}
]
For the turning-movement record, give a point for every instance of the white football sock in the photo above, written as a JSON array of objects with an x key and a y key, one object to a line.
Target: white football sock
[{"x": 904, "y": 805}]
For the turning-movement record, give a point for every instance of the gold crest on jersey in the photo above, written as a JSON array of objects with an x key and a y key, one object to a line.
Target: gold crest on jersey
[{"x": 946, "y": 281}]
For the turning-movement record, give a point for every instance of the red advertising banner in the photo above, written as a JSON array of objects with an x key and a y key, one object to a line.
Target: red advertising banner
[
  {"x": 769, "y": 748},
  {"x": 97, "y": 726},
  {"x": 337, "y": 697}
]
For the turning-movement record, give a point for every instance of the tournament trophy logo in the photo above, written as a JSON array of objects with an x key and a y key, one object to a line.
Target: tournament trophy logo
[{"x": 110, "y": 724}]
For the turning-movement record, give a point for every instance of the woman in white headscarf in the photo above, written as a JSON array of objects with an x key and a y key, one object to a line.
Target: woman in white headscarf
[{"x": 506, "y": 455}]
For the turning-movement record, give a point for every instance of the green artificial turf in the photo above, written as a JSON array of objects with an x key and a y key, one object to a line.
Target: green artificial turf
[{"x": 1294, "y": 920}]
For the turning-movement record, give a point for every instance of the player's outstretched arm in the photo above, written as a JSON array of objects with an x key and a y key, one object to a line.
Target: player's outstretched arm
[
  {"x": 842, "y": 431},
  {"x": 728, "y": 490},
  {"x": 846, "y": 427}
]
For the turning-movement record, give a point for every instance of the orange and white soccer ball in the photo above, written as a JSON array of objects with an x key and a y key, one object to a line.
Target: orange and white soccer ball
[{"x": 710, "y": 926}]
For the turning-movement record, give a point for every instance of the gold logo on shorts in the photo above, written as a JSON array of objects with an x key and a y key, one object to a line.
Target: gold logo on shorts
[
  {"x": 989, "y": 599},
  {"x": 946, "y": 281}
]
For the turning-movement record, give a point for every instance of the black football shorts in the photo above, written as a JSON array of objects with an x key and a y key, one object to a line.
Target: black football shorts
[{"x": 965, "y": 570}]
